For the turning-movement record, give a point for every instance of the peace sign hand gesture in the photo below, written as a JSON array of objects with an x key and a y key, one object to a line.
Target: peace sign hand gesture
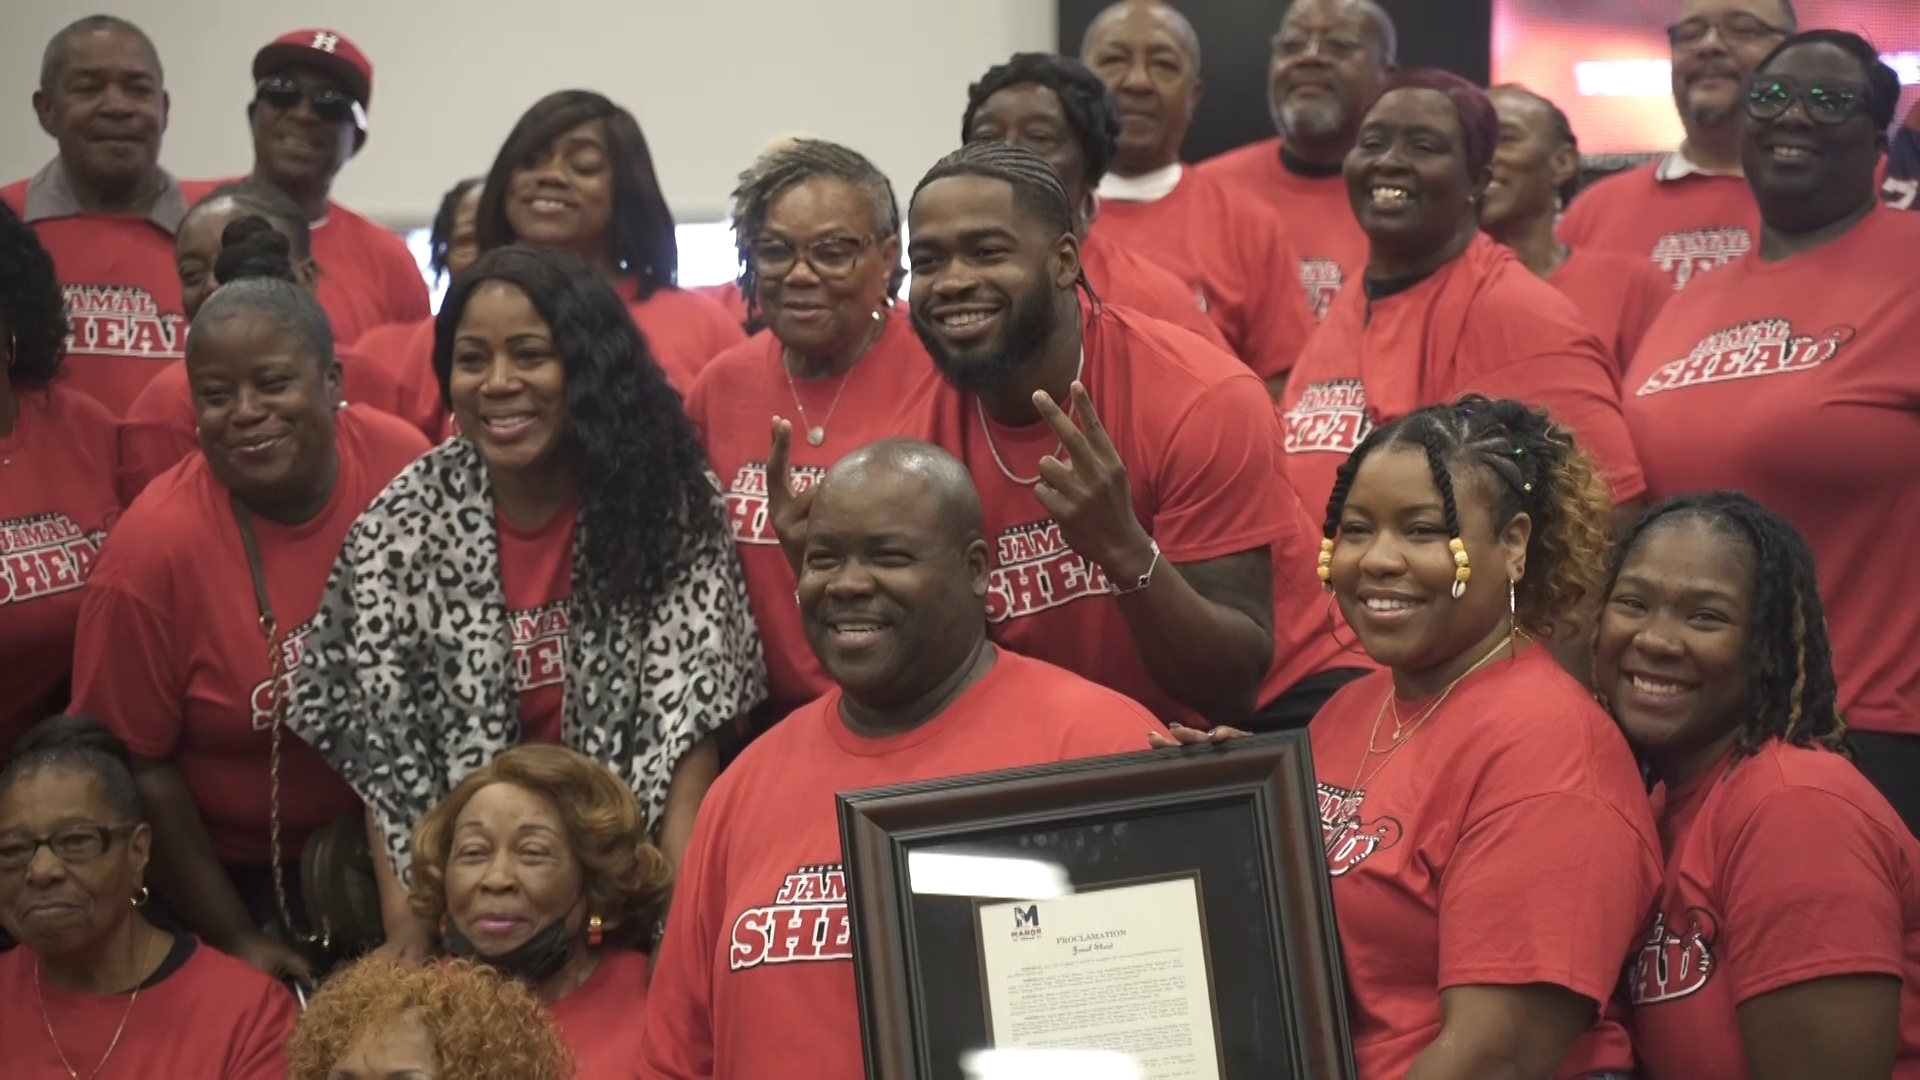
[{"x": 1088, "y": 493}]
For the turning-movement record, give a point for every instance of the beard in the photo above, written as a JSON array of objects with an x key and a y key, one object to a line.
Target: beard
[
  {"x": 1704, "y": 115},
  {"x": 1313, "y": 120},
  {"x": 990, "y": 363}
]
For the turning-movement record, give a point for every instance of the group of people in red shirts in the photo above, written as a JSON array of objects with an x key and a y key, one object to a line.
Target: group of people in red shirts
[{"x": 1380, "y": 428}]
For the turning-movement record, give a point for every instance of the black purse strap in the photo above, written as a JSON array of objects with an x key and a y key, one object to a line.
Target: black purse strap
[{"x": 261, "y": 600}]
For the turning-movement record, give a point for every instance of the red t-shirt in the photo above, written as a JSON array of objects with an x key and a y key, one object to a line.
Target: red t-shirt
[
  {"x": 1785, "y": 867},
  {"x": 1481, "y": 323},
  {"x": 1202, "y": 451},
  {"x": 169, "y": 652},
  {"x": 683, "y": 329},
  {"x": 604, "y": 1020},
  {"x": 536, "y": 574},
  {"x": 57, "y": 502},
  {"x": 215, "y": 1018},
  {"x": 123, "y": 299},
  {"x": 755, "y": 976},
  {"x": 1315, "y": 209},
  {"x": 1687, "y": 226},
  {"x": 1508, "y": 841},
  {"x": 732, "y": 407},
  {"x": 405, "y": 351},
  {"x": 1225, "y": 246},
  {"x": 159, "y": 429},
  {"x": 1794, "y": 381},
  {"x": 728, "y": 297},
  {"x": 368, "y": 278},
  {"x": 1619, "y": 294},
  {"x": 1120, "y": 276}
]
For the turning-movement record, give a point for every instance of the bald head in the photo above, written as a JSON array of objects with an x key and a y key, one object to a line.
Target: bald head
[
  {"x": 946, "y": 489},
  {"x": 1165, "y": 14}
]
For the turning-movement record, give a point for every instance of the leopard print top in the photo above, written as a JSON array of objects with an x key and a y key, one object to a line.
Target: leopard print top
[{"x": 406, "y": 685}]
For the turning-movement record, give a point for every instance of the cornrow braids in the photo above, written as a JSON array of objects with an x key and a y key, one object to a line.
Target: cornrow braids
[
  {"x": 1795, "y": 695},
  {"x": 795, "y": 162},
  {"x": 1531, "y": 465}
]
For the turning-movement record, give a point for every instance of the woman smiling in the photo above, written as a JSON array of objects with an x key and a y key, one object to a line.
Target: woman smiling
[{"x": 569, "y": 576}]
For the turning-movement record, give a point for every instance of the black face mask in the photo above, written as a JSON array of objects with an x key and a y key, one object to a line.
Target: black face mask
[{"x": 533, "y": 962}]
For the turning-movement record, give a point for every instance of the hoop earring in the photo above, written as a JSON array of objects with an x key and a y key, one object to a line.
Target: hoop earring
[
  {"x": 596, "y": 932},
  {"x": 1333, "y": 631},
  {"x": 140, "y": 898}
]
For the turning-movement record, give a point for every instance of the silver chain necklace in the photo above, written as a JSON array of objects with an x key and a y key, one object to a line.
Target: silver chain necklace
[
  {"x": 817, "y": 433},
  {"x": 987, "y": 429}
]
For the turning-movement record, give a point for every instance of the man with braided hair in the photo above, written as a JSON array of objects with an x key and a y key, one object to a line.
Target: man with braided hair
[
  {"x": 1787, "y": 930},
  {"x": 1055, "y": 107},
  {"x": 1136, "y": 504}
]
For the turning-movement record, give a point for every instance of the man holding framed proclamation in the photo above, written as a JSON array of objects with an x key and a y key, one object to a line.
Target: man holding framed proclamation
[{"x": 754, "y": 978}]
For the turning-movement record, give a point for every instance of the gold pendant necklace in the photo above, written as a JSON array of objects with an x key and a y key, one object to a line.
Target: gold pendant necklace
[{"x": 72, "y": 1073}]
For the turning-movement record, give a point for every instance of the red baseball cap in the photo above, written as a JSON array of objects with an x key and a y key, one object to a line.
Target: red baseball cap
[{"x": 326, "y": 49}]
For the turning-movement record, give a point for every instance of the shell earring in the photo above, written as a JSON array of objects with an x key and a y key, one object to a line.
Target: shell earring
[{"x": 1462, "y": 573}]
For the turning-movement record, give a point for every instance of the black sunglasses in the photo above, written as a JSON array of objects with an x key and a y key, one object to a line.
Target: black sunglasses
[
  {"x": 284, "y": 94},
  {"x": 1828, "y": 101}
]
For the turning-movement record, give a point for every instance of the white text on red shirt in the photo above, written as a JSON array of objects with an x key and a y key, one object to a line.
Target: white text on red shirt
[
  {"x": 121, "y": 320},
  {"x": 1034, "y": 570},
  {"x": 807, "y": 922},
  {"x": 1684, "y": 255},
  {"x": 1331, "y": 417},
  {"x": 43, "y": 555},
  {"x": 539, "y": 646},
  {"x": 747, "y": 512},
  {"x": 1322, "y": 280},
  {"x": 292, "y": 649},
  {"x": 1748, "y": 351},
  {"x": 1671, "y": 966},
  {"x": 1348, "y": 839}
]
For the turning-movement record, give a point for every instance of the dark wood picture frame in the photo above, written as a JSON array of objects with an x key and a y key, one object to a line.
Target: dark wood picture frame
[{"x": 1268, "y": 778}]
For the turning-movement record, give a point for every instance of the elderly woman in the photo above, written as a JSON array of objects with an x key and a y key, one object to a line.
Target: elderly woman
[
  {"x": 57, "y": 449},
  {"x": 819, "y": 236},
  {"x": 189, "y": 632},
  {"x": 1789, "y": 375},
  {"x": 1787, "y": 932},
  {"x": 539, "y": 866},
  {"x": 569, "y": 576},
  {"x": 455, "y": 1021},
  {"x": 243, "y": 230},
  {"x": 1536, "y": 167},
  {"x": 1443, "y": 309},
  {"x": 96, "y": 989}
]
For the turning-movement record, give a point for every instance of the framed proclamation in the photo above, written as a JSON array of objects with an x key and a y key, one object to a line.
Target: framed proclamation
[{"x": 1163, "y": 915}]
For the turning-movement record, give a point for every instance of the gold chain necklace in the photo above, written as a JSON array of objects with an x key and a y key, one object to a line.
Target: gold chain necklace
[
  {"x": 72, "y": 1073},
  {"x": 1350, "y": 806}
]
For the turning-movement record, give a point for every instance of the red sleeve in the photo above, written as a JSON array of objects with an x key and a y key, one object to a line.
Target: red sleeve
[
  {"x": 1576, "y": 225},
  {"x": 696, "y": 406},
  {"x": 679, "y": 1042},
  {"x": 1221, "y": 486},
  {"x": 406, "y": 292},
  {"x": 1559, "y": 364},
  {"x": 1278, "y": 318},
  {"x": 260, "y": 1044},
  {"x": 1550, "y": 889},
  {"x": 146, "y": 451},
  {"x": 123, "y": 669},
  {"x": 1803, "y": 856}
]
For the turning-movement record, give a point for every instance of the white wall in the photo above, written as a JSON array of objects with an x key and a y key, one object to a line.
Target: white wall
[{"x": 710, "y": 80}]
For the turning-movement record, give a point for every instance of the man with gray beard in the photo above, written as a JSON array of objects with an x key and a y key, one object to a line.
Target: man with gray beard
[
  {"x": 1691, "y": 212},
  {"x": 1330, "y": 58}
]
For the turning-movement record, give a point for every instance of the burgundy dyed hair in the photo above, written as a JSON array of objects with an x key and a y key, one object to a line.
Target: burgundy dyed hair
[{"x": 1479, "y": 123}]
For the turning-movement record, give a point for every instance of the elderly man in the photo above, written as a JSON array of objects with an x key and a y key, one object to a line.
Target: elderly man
[
  {"x": 312, "y": 89},
  {"x": 1691, "y": 211},
  {"x": 1330, "y": 59},
  {"x": 755, "y": 975},
  {"x": 1223, "y": 243},
  {"x": 105, "y": 209}
]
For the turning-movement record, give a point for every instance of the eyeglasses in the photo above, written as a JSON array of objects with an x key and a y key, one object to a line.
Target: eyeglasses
[
  {"x": 1734, "y": 30},
  {"x": 1829, "y": 101},
  {"x": 832, "y": 258},
  {"x": 1292, "y": 46},
  {"x": 284, "y": 94},
  {"x": 74, "y": 845}
]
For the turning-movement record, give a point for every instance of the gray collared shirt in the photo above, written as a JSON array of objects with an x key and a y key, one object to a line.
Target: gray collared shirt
[{"x": 50, "y": 195}]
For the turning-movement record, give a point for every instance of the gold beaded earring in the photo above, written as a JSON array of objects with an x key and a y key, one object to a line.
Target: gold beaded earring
[
  {"x": 1462, "y": 573},
  {"x": 1326, "y": 564}
]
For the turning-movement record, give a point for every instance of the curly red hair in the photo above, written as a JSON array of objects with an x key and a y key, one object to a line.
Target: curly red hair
[
  {"x": 483, "y": 1026},
  {"x": 624, "y": 877}
]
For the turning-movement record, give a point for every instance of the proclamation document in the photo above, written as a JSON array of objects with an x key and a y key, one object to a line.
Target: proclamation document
[{"x": 1121, "y": 969}]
